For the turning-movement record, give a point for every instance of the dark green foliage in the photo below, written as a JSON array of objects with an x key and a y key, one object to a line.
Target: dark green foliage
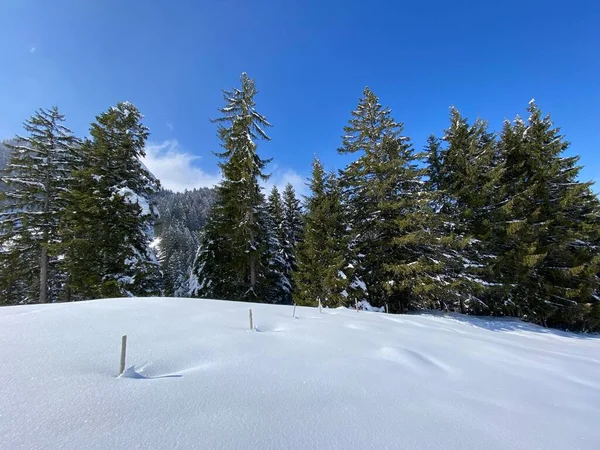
[
  {"x": 108, "y": 224},
  {"x": 292, "y": 230},
  {"x": 465, "y": 175},
  {"x": 399, "y": 249},
  {"x": 548, "y": 233},
  {"x": 362, "y": 187},
  {"x": 279, "y": 284},
  {"x": 182, "y": 216},
  {"x": 320, "y": 273},
  {"x": 38, "y": 172},
  {"x": 230, "y": 262}
]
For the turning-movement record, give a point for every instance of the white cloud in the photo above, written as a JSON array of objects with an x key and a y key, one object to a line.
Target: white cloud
[
  {"x": 280, "y": 177},
  {"x": 169, "y": 126},
  {"x": 32, "y": 50},
  {"x": 176, "y": 169}
]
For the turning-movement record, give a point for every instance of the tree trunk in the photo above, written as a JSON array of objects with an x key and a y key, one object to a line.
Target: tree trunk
[
  {"x": 68, "y": 289},
  {"x": 252, "y": 272},
  {"x": 44, "y": 275},
  {"x": 46, "y": 237},
  {"x": 253, "y": 250}
]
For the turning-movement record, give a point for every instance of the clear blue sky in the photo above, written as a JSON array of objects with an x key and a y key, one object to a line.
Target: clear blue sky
[{"x": 311, "y": 60}]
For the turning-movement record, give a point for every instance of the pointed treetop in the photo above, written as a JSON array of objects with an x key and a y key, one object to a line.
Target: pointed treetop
[
  {"x": 240, "y": 105},
  {"x": 274, "y": 192},
  {"x": 289, "y": 189},
  {"x": 369, "y": 123}
]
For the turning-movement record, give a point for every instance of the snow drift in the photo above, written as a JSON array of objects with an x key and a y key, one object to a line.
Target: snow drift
[{"x": 198, "y": 378}]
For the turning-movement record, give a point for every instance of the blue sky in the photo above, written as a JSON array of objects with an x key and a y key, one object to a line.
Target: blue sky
[{"x": 311, "y": 60}]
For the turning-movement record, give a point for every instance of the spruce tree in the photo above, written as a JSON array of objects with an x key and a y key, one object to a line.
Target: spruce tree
[
  {"x": 39, "y": 170},
  {"x": 109, "y": 220},
  {"x": 465, "y": 173},
  {"x": 361, "y": 182},
  {"x": 280, "y": 288},
  {"x": 320, "y": 273},
  {"x": 276, "y": 213},
  {"x": 548, "y": 236},
  {"x": 397, "y": 246},
  {"x": 229, "y": 263},
  {"x": 292, "y": 229},
  {"x": 420, "y": 258}
]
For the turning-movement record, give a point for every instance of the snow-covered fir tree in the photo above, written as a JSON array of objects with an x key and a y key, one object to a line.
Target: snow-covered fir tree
[
  {"x": 277, "y": 259},
  {"x": 465, "y": 172},
  {"x": 279, "y": 288},
  {"x": 548, "y": 257},
  {"x": 109, "y": 221},
  {"x": 369, "y": 124},
  {"x": 395, "y": 239},
  {"x": 39, "y": 170},
  {"x": 292, "y": 229},
  {"x": 234, "y": 242},
  {"x": 182, "y": 217},
  {"x": 321, "y": 269}
]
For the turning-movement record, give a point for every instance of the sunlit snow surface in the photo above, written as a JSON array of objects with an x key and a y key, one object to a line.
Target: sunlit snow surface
[{"x": 197, "y": 378}]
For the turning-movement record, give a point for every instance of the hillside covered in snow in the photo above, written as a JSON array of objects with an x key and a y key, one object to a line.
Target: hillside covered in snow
[{"x": 199, "y": 378}]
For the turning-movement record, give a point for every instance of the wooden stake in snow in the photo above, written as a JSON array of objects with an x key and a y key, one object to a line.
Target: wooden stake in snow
[
  {"x": 294, "y": 313},
  {"x": 123, "y": 354},
  {"x": 386, "y": 309},
  {"x": 320, "y": 307},
  {"x": 250, "y": 316},
  {"x": 356, "y": 304}
]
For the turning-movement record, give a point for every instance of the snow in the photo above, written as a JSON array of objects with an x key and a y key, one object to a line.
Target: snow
[
  {"x": 198, "y": 378},
  {"x": 131, "y": 197},
  {"x": 366, "y": 306},
  {"x": 359, "y": 284},
  {"x": 155, "y": 244}
]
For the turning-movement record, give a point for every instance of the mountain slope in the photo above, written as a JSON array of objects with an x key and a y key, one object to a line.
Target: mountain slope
[{"x": 339, "y": 379}]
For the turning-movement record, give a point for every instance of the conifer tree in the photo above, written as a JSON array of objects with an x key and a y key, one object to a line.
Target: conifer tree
[
  {"x": 292, "y": 229},
  {"x": 213, "y": 273},
  {"x": 320, "y": 275},
  {"x": 395, "y": 236},
  {"x": 276, "y": 213},
  {"x": 361, "y": 182},
  {"x": 182, "y": 216},
  {"x": 229, "y": 261},
  {"x": 548, "y": 260},
  {"x": 278, "y": 285},
  {"x": 421, "y": 265},
  {"x": 110, "y": 217},
  {"x": 38, "y": 172},
  {"x": 466, "y": 173}
]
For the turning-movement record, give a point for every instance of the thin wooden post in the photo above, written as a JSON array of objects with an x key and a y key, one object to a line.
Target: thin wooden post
[
  {"x": 356, "y": 305},
  {"x": 294, "y": 313},
  {"x": 251, "y": 323},
  {"x": 123, "y": 354},
  {"x": 320, "y": 307},
  {"x": 386, "y": 309}
]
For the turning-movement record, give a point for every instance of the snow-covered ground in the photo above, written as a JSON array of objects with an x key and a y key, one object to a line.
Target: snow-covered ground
[{"x": 336, "y": 380}]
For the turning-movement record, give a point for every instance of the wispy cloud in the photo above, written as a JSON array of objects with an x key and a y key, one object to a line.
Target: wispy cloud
[
  {"x": 32, "y": 49},
  {"x": 280, "y": 177},
  {"x": 169, "y": 126},
  {"x": 177, "y": 169}
]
